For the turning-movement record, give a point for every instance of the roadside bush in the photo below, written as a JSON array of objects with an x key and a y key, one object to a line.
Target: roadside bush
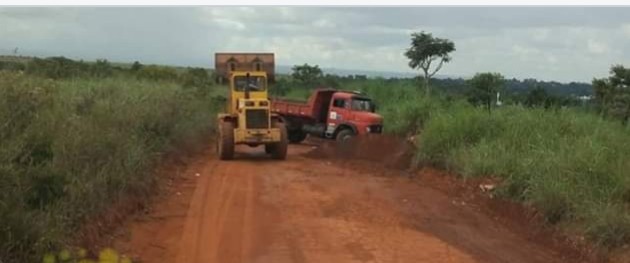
[
  {"x": 198, "y": 79},
  {"x": 157, "y": 73},
  {"x": 404, "y": 107},
  {"x": 69, "y": 148},
  {"x": 57, "y": 68},
  {"x": 64, "y": 68},
  {"x": 566, "y": 164},
  {"x": 101, "y": 69},
  {"x": 12, "y": 66}
]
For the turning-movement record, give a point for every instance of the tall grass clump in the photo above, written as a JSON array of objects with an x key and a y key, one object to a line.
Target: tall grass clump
[
  {"x": 71, "y": 147},
  {"x": 405, "y": 108},
  {"x": 571, "y": 166}
]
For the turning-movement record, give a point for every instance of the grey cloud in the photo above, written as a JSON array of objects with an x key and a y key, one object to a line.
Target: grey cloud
[{"x": 553, "y": 43}]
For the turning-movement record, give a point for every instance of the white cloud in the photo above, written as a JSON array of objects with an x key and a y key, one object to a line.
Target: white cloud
[
  {"x": 229, "y": 24},
  {"x": 541, "y": 34},
  {"x": 596, "y": 47},
  {"x": 324, "y": 23}
]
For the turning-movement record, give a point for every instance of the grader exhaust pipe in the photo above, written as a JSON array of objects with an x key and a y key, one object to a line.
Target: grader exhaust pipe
[{"x": 247, "y": 86}]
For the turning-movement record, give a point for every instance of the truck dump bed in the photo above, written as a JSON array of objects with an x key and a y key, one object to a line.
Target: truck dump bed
[
  {"x": 292, "y": 107},
  {"x": 315, "y": 109}
]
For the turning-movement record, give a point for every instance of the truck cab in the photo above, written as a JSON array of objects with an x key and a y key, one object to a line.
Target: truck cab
[{"x": 353, "y": 112}]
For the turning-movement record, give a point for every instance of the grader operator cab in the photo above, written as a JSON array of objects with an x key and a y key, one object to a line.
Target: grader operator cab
[{"x": 248, "y": 119}]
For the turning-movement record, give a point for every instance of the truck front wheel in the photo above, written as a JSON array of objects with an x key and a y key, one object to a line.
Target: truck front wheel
[
  {"x": 225, "y": 140},
  {"x": 344, "y": 135}
]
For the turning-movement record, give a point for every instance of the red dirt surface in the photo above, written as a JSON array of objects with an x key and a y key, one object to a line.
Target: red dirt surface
[{"x": 308, "y": 209}]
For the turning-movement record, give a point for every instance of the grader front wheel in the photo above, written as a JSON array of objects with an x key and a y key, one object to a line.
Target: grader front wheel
[
  {"x": 278, "y": 150},
  {"x": 225, "y": 141}
]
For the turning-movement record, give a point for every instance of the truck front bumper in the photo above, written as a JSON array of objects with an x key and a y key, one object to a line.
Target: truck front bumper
[{"x": 376, "y": 128}]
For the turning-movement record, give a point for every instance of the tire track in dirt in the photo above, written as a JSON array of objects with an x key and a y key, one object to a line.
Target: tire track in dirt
[{"x": 254, "y": 209}]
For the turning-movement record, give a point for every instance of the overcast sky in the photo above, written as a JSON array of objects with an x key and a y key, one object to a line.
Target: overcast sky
[{"x": 549, "y": 43}]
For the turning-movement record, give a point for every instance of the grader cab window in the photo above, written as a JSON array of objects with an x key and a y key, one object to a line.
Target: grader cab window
[{"x": 255, "y": 83}]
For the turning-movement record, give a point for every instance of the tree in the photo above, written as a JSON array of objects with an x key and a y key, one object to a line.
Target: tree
[
  {"x": 101, "y": 69},
  {"x": 57, "y": 68},
  {"x": 485, "y": 87},
  {"x": 198, "y": 78},
  {"x": 306, "y": 74},
  {"x": 425, "y": 50},
  {"x": 613, "y": 94},
  {"x": 158, "y": 73},
  {"x": 136, "y": 66},
  {"x": 538, "y": 97}
]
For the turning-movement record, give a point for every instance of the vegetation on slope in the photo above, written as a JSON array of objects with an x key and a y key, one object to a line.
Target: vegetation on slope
[
  {"x": 72, "y": 142},
  {"x": 571, "y": 166}
]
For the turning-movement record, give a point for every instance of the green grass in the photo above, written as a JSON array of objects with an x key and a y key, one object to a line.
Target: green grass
[
  {"x": 403, "y": 105},
  {"x": 69, "y": 148},
  {"x": 571, "y": 166}
]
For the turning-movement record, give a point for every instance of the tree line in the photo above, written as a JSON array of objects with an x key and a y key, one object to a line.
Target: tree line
[{"x": 65, "y": 68}]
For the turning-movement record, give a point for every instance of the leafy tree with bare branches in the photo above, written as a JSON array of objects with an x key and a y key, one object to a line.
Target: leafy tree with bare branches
[
  {"x": 427, "y": 51},
  {"x": 307, "y": 74}
]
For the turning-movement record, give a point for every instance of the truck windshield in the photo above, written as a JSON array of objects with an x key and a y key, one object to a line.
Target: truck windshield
[
  {"x": 255, "y": 83},
  {"x": 362, "y": 104}
]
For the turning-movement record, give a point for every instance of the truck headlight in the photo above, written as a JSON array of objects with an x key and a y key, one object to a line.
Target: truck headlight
[{"x": 367, "y": 129}]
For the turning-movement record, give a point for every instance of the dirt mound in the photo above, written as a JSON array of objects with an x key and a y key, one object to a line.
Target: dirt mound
[{"x": 390, "y": 151}]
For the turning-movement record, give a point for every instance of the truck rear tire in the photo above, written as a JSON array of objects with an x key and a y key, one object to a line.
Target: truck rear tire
[
  {"x": 297, "y": 136},
  {"x": 225, "y": 142},
  {"x": 344, "y": 135},
  {"x": 278, "y": 150}
]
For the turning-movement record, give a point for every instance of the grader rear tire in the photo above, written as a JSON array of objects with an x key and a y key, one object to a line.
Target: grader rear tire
[
  {"x": 278, "y": 150},
  {"x": 225, "y": 141}
]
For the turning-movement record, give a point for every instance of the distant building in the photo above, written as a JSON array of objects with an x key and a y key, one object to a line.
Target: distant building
[
  {"x": 225, "y": 63},
  {"x": 585, "y": 98},
  {"x": 499, "y": 102}
]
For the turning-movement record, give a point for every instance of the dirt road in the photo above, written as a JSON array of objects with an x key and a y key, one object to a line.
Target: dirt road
[{"x": 311, "y": 210}]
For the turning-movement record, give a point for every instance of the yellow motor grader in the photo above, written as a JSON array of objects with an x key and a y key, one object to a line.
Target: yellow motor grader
[{"x": 248, "y": 119}]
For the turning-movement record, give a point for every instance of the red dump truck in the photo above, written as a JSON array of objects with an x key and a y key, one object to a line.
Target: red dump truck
[{"x": 329, "y": 113}]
